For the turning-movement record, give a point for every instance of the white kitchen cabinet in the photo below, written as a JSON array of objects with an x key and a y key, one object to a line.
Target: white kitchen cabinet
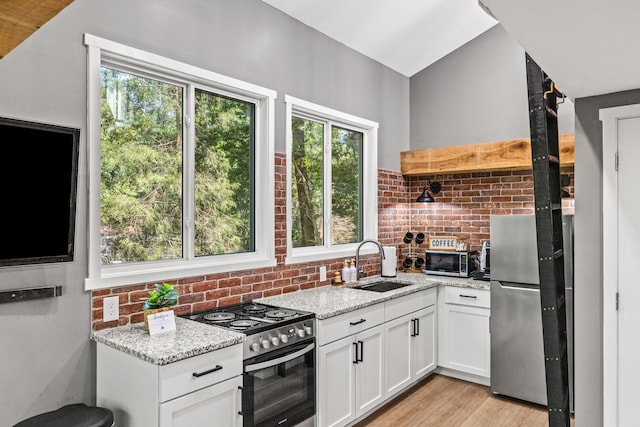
[
  {"x": 364, "y": 353},
  {"x": 425, "y": 344},
  {"x": 464, "y": 335},
  {"x": 351, "y": 369},
  {"x": 218, "y": 405},
  {"x": 369, "y": 372},
  {"x": 336, "y": 383},
  {"x": 411, "y": 348},
  {"x": 351, "y": 377},
  {"x": 142, "y": 394}
]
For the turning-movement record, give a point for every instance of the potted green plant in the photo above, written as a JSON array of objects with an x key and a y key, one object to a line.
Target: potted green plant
[{"x": 162, "y": 298}]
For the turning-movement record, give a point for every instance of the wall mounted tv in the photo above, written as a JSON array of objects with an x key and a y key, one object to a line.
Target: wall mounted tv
[{"x": 38, "y": 177}]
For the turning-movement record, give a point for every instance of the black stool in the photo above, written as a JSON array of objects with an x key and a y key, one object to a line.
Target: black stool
[{"x": 77, "y": 415}]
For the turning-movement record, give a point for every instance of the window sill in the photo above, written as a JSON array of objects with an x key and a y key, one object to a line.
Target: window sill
[
  {"x": 348, "y": 252},
  {"x": 111, "y": 277}
]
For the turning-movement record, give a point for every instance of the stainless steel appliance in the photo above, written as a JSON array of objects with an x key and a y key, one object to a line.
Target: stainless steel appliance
[
  {"x": 279, "y": 386},
  {"x": 517, "y": 357},
  {"x": 447, "y": 263},
  {"x": 485, "y": 257}
]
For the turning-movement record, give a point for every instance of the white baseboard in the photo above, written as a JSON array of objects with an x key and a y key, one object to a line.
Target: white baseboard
[{"x": 463, "y": 376}]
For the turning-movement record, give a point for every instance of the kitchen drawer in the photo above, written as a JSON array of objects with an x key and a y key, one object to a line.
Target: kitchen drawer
[
  {"x": 467, "y": 296},
  {"x": 177, "y": 379},
  {"x": 350, "y": 323},
  {"x": 409, "y": 303}
]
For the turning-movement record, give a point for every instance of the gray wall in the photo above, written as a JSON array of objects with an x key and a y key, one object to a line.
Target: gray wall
[
  {"x": 478, "y": 93},
  {"x": 46, "y": 354},
  {"x": 588, "y": 253}
]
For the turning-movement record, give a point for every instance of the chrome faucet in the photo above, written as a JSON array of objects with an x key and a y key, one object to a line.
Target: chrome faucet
[{"x": 358, "y": 271}]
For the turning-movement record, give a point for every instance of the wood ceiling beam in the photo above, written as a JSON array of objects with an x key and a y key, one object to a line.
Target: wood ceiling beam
[
  {"x": 21, "y": 18},
  {"x": 488, "y": 156}
]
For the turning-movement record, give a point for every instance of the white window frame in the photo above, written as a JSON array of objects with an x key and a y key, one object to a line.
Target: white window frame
[
  {"x": 295, "y": 106},
  {"x": 102, "y": 52}
]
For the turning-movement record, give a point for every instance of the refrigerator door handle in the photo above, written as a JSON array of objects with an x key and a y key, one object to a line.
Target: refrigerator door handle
[{"x": 520, "y": 287}]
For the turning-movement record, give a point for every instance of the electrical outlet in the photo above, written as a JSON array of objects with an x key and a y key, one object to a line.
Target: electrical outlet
[
  {"x": 323, "y": 273},
  {"x": 110, "y": 309}
]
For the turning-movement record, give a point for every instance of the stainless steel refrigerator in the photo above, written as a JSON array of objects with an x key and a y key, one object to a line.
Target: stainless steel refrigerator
[{"x": 517, "y": 356}]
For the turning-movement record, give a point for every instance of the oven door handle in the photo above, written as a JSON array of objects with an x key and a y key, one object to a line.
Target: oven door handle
[{"x": 283, "y": 359}]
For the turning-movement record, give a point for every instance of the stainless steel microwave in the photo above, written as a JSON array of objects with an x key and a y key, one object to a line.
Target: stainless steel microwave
[{"x": 447, "y": 263}]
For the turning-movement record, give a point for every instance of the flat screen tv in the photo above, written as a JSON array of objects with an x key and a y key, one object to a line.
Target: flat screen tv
[{"x": 38, "y": 177}]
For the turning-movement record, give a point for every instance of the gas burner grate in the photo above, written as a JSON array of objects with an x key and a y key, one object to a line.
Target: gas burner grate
[
  {"x": 219, "y": 317},
  {"x": 243, "y": 324},
  {"x": 280, "y": 314},
  {"x": 254, "y": 308}
]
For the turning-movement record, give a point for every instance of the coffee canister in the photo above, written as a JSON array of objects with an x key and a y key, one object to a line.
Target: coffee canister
[{"x": 389, "y": 262}]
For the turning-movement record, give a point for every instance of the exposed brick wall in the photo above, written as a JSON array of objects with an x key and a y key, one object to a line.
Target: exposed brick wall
[
  {"x": 464, "y": 204},
  {"x": 462, "y": 208}
]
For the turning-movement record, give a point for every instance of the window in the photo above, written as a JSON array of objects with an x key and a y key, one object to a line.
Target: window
[
  {"x": 332, "y": 181},
  {"x": 179, "y": 158}
]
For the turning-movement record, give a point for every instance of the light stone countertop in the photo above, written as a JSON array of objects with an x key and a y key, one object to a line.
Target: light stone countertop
[
  {"x": 193, "y": 338},
  {"x": 330, "y": 301},
  {"x": 189, "y": 339}
]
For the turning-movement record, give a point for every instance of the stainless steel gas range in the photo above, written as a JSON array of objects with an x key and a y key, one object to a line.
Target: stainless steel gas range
[{"x": 278, "y": 361}]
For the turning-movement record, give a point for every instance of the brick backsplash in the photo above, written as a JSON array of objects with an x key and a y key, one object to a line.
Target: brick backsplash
[{"x": 462, "y": 208}]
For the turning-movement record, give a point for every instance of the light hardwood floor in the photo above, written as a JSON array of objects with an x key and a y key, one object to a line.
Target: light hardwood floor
[{"x": 447, "y": 402}]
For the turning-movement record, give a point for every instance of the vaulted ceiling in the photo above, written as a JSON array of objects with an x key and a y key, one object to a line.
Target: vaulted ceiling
[
  {"x": 20, "y": 18},
  {"x": 587, "y": 47},
  {"x": 406, "y": 36}
]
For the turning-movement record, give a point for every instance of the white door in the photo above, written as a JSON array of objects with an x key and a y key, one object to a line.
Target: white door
[
  {"x": 469, "y": 340},
  {"x": 369, "y": 369},
  {"x": 621, "y": 234},
  {"x": 216, "y": 405},
  {"x": 424, "y": 343},
  {"x": 398, "y": 354},
  {"x": 336, "y": 400}
]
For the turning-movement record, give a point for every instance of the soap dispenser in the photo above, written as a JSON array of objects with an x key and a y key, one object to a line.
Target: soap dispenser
[
  {"x": 353, "y": 271},
  {"x": 346, "y": 274}
]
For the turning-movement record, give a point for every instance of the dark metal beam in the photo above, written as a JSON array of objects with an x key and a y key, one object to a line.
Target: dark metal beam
[{"x": 543, "y": 121}]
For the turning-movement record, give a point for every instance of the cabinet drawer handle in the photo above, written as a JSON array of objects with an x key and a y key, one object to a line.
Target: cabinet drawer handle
[
  {"x": 468, "y": 296},
  {"x": 358, "y": 322},
  {"x": 415, "y": 324},
  {"x": 200, "y": 374}
]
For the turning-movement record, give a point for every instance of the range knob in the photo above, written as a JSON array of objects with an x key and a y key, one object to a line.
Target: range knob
[
  {"x": 265, "y": 344},
  {"x": 275, "y": 340},
  {"x": 308, "y": 330},
  {"x": 284, "y": 339},
  {"x": 255, "y": 346},
  {"x": 300, "y": 333}
]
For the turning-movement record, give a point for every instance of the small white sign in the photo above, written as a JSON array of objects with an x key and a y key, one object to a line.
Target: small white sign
[
  {"x": 164, "y": 321},
  {"x": 444, "y": 243}
]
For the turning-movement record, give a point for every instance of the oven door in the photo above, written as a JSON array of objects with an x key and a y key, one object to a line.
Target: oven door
[{"x": 279, "y": 387}]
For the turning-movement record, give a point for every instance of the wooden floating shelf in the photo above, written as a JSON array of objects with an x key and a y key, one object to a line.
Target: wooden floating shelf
[{"x": 488, "y": 156}]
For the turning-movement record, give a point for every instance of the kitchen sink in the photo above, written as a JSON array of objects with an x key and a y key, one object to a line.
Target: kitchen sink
[{"x": 382, "y": 286}]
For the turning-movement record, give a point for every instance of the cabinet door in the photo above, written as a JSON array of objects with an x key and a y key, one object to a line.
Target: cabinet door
[
  {"x": 468, "y": 343},
  {"x": 398, "y": 354},
  {"x": 336, "y": 383},
  {"x": 424, "y": 343},
  {"x": 370, "y": 369},
  {"x": 216, "y": 405}
]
